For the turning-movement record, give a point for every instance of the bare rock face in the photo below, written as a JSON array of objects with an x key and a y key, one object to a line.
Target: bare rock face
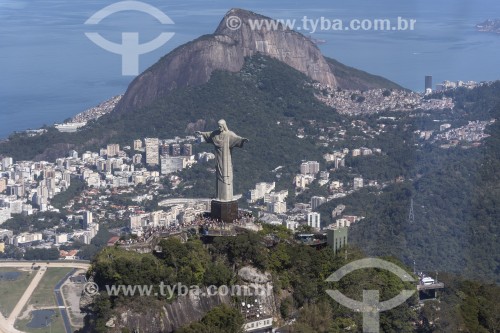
[
  {"x": 192, "y": 64},
  {"x": 153, "y": 316},
  {"x": 169, "y": 317},
  {"x": 285, "y": 45},
  {"x": 261, "y": 286}
]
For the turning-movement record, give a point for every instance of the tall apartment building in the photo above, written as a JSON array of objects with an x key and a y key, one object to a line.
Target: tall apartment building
[
  {"x": 175, "y": 149},
  {"x": 358, "y": 183},
  {"x": 314, "y": 220},
  {"x": 317, "y": 201},
  {"x": 164, "y": 150},
  {"x": 113, "y": 149},
  {"x": 152, "y": 151},
  {"x": 336, "y": 238},
  {"x": 87, "y": 219},
  {"x": 137, "y": 144},
  {"x": 428, "y": 83},
  {"x": 278, "y": 207},
  {"x": 7, "y": 162},
  {"x": 187, "y": 149},
  {"x": 309, "y": 168}
]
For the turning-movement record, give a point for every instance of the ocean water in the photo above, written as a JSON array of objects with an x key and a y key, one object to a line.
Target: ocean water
[{"x": 50, "y": 70}]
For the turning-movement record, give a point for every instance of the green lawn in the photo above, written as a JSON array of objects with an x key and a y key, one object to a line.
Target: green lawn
[
  {"x": 11, "y": 291},
  {"x": 43, "y": 296}
]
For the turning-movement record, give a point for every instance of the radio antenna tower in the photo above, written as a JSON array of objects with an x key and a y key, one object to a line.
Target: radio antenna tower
[{"x": 411, "y": 216}]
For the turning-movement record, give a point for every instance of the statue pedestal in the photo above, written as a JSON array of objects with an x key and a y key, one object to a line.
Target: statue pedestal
[{"x": 226, "y": 211}]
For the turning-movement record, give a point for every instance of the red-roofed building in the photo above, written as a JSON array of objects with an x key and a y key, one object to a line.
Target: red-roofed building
[
  {"x": 112, "y": 241},
  {"x": 68, "y": 255}
]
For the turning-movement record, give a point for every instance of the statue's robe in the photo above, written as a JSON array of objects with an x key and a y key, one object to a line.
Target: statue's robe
[{"x": 224, "y": 142}]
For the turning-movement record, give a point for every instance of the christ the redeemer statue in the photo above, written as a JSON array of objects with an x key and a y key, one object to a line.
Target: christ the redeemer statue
[{"x": 224, "y": 141}]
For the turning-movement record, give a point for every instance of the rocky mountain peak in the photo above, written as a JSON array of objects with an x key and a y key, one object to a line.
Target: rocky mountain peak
[{"x": 237, "y": 36}]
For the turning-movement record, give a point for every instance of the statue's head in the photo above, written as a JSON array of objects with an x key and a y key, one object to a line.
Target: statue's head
[{"x": 222, "y": 125}]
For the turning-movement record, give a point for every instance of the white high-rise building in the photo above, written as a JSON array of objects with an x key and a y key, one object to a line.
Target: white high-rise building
[
  {"x": 7, "y": 162},
  {"x": 358, "y": 183},
  {"x": 87, "y": 219},
  {"x": 61, "y": 238},
  {"x": 314, "y": 220},
  {"x": 112, "y": 149},
  {"x": 261, "y": 189},
  {"x": 152, "y": 151},
  {"x": 4, "y": 214},
  {"x": 309, "y": 168},
  {"x": 277, "y": 207}
]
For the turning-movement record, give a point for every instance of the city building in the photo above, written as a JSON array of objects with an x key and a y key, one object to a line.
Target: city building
[
  {"x": 137, "y": 159},
  {"x": 175, "y": 149},
  {"x": 278, "y": 207},
  {"x": 113, "y": 149},
  {"x": 4, "y": 214},
  {"x": 187, "y": 149},
  {"x": 16, "y": 206},
  {"x": 428, "y": 84},
  {"x": 172, "y": 164},
  {"x": 164, "y": 150},
  {"x": 444, "y": 127},
  {"x": 366, "y": 151},
  {"x": 3, "y": 184},
  {"x": 276, "y": 196},
  {"x": 61, "y": 238},
  {"x": 6, "y": 235},
  {"x": 309, "y": 168},
  {"x": 358, "y": 183},
  {"x": 314, "y": 220},
  {"x": 7, "y": 162},
  {"x": 317, "y": 201},
  {"x": 137, "y": 144},
  {"x": 336, "y": 237},
  {"x": 204, "y": 157},
  {"x": 302, "y": 181},
  {"x": 25, "y": 238},
  {"x": 291, "y": 224},
  {"x": 73, "y": 154},
  {"x": 152, "y": 151},
  {"x": 261, "y": 189},
  {"x": 87, "y": 219}
]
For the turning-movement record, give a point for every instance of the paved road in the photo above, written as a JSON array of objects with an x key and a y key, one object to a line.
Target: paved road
[
  {"x": 7, "y": 325},
  {"x": 60, "y": 301},
  {"x": 26, "y": 296},
  {"x": 28, "y": 264}
]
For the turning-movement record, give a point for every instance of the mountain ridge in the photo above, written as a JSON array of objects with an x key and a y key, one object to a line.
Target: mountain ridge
[{"x": 227, "y": 48}]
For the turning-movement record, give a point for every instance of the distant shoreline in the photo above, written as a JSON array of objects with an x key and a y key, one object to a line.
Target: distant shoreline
[{"x": 489, "y": 26}]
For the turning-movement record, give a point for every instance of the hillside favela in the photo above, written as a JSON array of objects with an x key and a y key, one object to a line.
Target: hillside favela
[{"x": 249, "y": 181}]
